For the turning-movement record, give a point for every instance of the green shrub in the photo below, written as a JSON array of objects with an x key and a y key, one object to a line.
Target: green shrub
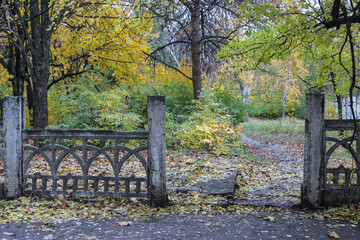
[
  {"x": 232, "y": 103},
  {"x": 208, "y": 127},
  {"x": 269, "y": 107},
  {"x": 86, "y": 108},
  {"x": 208, "y": 123},
  {"x": 178, "y": 98}
]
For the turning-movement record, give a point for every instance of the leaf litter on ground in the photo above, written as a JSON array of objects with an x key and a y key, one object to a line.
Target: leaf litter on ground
[{"x": 265, "y": 165}]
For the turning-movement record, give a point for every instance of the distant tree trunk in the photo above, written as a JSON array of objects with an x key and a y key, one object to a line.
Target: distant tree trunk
[
  {"x": 245, "y": 91},
  {"x": 195, "y": 48},
  {"x": 286, "y": 94},
  {"x": 338, "y": 97}
]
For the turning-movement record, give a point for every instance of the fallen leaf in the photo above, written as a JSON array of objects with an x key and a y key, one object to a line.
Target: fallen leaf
[
  {"x": 92, "y": 237},
  {"x": 9, "y": 233},
  {"x": 78, "y": 224},
  {"x": 333, "y": 234},
  {"x": 269, "y": 218},
  {"x": 125, "y": 224},
  {"x": 230, "y": 209},
  {"x": 49, "y": 237}
]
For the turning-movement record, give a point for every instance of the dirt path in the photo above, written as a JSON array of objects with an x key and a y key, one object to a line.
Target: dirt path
[{"x": 281, "y": 179}]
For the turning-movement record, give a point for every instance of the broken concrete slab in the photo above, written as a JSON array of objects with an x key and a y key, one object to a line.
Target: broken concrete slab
[{"x": 219, "y": 186}]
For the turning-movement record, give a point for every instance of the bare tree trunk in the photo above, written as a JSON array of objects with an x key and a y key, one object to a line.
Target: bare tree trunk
[
  {"x": 245, "y": 91},
  {"x": 286, "y": 94},
  {"x": 195, "y": 48},
  {"x": 16, "y": 65},
  {"x": 40, "y": 53}
]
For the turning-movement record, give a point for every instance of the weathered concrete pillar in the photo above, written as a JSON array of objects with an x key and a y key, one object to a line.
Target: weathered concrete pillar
[
  {"x": 157, "y": 152},
  {"x": 314, "y": 149},
  {"x": 14, "y": 123}
]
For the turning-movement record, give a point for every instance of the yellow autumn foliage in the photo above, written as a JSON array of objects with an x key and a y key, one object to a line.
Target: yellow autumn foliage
[
  {"x": 4, "y": 75},
  {"x": 208, "y": 127},
  {"x": 108, "y": 39},
  {"x": 217, "y": 136}
]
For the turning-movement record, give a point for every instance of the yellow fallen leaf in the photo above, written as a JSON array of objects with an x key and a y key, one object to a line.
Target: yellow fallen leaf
[
  {"x": 24, "y": 200},
  {"x": 125, "y": 224},
  {"x": 193, "y": 193},
  {"x": 333, "y": 234},
  {"x": 9, "y": 233},
  {"x": 269, "y": 218},
  {"x": 230, "y": 209}
]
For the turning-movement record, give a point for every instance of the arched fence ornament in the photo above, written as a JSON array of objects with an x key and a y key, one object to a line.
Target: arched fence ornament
[{"x": 24, "y": 146}]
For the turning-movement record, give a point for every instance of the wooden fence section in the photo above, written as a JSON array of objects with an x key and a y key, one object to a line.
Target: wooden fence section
[
  {"x": 46, "y": 145},
  {"x": 324, "y": 185}
]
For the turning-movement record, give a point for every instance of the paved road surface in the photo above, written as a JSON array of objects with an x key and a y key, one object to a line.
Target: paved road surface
[{"x": 287, "y": 225}]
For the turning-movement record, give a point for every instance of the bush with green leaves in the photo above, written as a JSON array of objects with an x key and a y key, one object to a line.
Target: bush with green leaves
[
  {"x": 269, "y": 109},
  {"x": 178, "y": 98},
  {"x": 84, "y": 107},
  {"x": 232, "y": 102},
  {"x": 208, "y": 127},
  {"x": 208, "y": 123}
]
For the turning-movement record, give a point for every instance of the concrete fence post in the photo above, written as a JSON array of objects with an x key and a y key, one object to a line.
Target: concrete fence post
[
  {"x": 314, "y": 151},
  {"x": 14, "y": 123},
  {"x": 157, "y": 152}
]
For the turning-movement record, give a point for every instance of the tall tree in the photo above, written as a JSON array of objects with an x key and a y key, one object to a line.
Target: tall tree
[
  {"x": 25, "y": 33},
  {"x": 37, "y": 37},
  {"x": 196, "y": 29}
]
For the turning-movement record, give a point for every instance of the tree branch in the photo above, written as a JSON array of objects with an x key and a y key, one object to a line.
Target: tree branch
[
  {"x": 168, "y": 65},
  {"x": 64, "y": 77}
]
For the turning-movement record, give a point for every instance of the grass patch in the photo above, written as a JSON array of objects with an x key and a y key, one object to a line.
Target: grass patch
[{"x": 277, "y": 131}]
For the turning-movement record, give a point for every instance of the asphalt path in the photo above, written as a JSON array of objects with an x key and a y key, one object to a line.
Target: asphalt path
[{"x": 278, "y": 225}]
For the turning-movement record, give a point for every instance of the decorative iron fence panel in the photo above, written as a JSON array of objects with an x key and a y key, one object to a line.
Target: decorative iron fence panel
[{"x": 112, "y": 182}]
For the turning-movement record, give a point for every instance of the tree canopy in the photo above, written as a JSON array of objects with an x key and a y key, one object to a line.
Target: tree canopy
[{"x": 323, "y": 32}]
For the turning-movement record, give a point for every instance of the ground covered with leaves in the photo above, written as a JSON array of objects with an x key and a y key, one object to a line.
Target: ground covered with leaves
[{"x": 269, "y": 169}]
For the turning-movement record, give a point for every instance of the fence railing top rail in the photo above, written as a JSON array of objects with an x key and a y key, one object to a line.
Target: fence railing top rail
[
  {"x": 84, "y": 133},
  {"x": 338, "y": 125}
]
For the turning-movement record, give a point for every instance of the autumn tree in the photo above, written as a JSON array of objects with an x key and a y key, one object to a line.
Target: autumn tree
[
  {"x": 192, "y": 32},
  {"x": 53, "y": 41},
  {"x": 108, "y": 42},
  {"x": 26, "y": 32}
]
